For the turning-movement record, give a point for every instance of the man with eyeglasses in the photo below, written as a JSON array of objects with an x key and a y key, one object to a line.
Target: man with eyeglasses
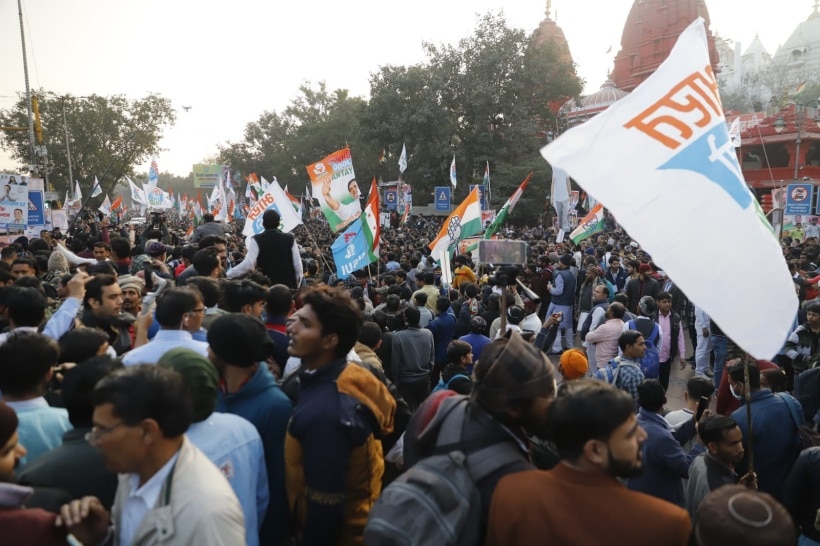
[
  {"x": 169, "y": 492},
  {"x": 180, "y": 311}
]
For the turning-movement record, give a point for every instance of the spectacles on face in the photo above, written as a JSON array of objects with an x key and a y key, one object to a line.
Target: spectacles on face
[
  {"x": 98, "y": 432},
  {"x": 198, "y": 310}
]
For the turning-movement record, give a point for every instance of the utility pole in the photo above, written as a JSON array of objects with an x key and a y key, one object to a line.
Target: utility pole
[{"x": 28, "y": 89}]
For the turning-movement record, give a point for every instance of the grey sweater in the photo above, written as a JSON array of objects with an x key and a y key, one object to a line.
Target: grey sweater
[{"x": 413, "y": 354}]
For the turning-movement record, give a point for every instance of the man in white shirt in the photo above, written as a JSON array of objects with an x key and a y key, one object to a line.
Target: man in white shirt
[
  {"x": 266, "y": 251},
  {"x": 813, "y": 230}
]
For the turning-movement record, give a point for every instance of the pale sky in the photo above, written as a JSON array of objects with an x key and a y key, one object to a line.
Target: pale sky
[{"x": 230, "y": 61}]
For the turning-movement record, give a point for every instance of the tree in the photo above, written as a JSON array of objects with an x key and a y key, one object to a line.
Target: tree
[
  {"x": 108, "y": 136},
  {"x": 316, "y": 123}
]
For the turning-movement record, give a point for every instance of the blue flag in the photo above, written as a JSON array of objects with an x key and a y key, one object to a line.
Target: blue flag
[{"x": 350, "y": 250}]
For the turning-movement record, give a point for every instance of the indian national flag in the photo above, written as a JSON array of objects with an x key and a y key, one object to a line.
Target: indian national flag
[
  {"x": 464, "y": 222},
  {"x": 297, "y": 204},
  {"x": 508, "y": 207},
  {"x": 371, "y": 224},
  {"x": 591, "y": 224}
]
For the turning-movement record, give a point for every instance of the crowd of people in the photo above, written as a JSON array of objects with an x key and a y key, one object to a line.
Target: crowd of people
[{"x": 164, "y": 387}]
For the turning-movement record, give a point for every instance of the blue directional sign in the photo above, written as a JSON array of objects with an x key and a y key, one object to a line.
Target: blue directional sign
[
  {"x": 442, "y": 198},
  {"x": 36, "y": 210}
]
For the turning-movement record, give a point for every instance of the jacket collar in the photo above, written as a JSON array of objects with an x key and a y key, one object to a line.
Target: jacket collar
[
  {"x": 13, "y": 495},
  {"x": 652, "y": 416}
]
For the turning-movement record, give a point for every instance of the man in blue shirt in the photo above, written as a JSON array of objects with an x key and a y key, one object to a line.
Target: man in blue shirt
[{"x": 444, "y": 330}]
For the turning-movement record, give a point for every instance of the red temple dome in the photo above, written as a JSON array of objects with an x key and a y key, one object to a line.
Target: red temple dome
[
  {"x": 549, "y": 31},
  {"x": 650, "y": 32}
]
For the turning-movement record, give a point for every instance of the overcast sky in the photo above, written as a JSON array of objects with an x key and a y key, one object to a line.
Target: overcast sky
[{"x": 230, "y": 61}]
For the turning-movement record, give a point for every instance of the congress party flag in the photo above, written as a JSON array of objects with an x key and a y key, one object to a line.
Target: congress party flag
[
  {"x": 508, "y": 207},
  {"x": 591, "y": 224},
  {"x": 666, "y": 168},
  {"x": 137, "y": 194},
  {"x": 105, "y": 208},
  {"x": 372, "y": 223},
  {"x": 453, "y": 178},
  {"x": 274, "y": 198},
  {"x": 117, "y": 204},
  {"x": 403, "y": 159},
  {"x": 97, "y": 189},
  {"x": 351, "y": 250},
  {"x": 464, "y": 222},
  {"x": 78, "y": 193}
]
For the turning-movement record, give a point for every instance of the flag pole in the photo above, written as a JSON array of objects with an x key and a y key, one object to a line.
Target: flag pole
[
  {"x": 748, "y": 396},
  {"x": 315, "y": 244}
]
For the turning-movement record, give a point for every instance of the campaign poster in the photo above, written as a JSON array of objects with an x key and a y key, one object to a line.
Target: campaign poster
[
  {"x": 59, "y": 219},
  {"x": 390, "y": 198},
  {"x": 207, "y": 176},
  {"x": 14, "y": 204},
  {"x": 334, "y": 186}
]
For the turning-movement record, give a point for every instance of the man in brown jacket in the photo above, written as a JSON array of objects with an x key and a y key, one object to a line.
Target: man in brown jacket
[{"x": 581, "y": 501}]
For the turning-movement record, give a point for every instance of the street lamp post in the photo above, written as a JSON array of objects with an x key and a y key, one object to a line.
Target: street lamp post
[{"x": 799, "y": 122}]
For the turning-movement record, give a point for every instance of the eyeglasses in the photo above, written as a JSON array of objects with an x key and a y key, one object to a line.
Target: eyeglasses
[
  {"x": 200, "y": 310},
  {"x": 98, "y": 432}
]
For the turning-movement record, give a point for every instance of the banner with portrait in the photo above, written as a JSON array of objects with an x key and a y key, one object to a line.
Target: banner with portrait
[
  {"x": 14, "y": 202},
  {"x": 334, "y": 186}
]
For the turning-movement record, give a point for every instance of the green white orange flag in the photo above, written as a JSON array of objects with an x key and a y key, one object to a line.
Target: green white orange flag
[
  {"x": 372, "y": 224},
  {"x": 508, "y": 207},
  {"x": 464, "y": 222},
  {"x": 591, "y": 224}
]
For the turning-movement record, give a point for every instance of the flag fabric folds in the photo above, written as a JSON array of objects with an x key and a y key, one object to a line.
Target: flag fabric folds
[
  {"x": 273, "y": 198},
  {"x": 117, "y": 204},
  {"x": 97, "y": 189},
  {"x": 508, "y": 207},
  {"x": 453, "y": 179},
  {"x": 372, "y": 224},
  {"x": 403, "y": 159},
  {"x": 486, "y": 183},
  {"x": 78, "y": 194},
  {"x": 666, "y": 168},
  {"x": 351, "y": 249},
  {"x": 464, "y": 222},
  {"x": 137, "y": 194},
  {"x": 105, "y": 207},
  {"x": 591, "y": 224}
]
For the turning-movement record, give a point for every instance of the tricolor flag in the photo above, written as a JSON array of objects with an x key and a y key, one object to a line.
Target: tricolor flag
[
  {"x": 403, "y": 159},
  {"x": 591, "y": 224},
  {"x": 406, "y": 213},
  {"x": 372, "y": 224},
  {"x": 453, "y": 179},
  {"x": 464, "y": 222},
  {"x": 97, "y": 189},
  {"x": 508, "y": 207},
  {"x": 667, "y": 142},
  {"x": 297, "y": 204},
  {"x": 117, "y": 204}
]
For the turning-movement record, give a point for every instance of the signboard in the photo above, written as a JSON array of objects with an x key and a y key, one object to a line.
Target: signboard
[
  {"x": 798, "y": 199},
  {"x": 14, "y": 201},
  {"x": 207, "y": 176},
  {"x": 443, "y": 198},
  {"x": 482, "y": 196},
  {"x": 36, "y": 210},
  {"x": 390, "y": 197}
]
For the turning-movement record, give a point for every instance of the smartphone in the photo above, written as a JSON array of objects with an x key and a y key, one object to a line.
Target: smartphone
[{"x": 703, "y": 403}]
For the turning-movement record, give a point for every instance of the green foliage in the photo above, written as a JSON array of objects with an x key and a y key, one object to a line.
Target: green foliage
[
  {"x": 109, "y": 136},
  {"x": 484, "y": 99}
]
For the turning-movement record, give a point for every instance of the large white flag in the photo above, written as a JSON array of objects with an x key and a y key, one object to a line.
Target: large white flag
[
  {"x": 666, "y": 168},
  {"x": 105, "y": 208},
  {"x": 273, "y": 198},
  {"x": 97, "y": 189},
  {"x": 403, "y": 159},
  {"x": 137, "y": 194}
]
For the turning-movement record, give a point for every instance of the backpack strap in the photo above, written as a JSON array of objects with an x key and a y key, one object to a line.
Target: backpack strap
[
  {"x": 792, "y": 409},
  {"x": 485, "y": 461},
  {"x": 452, "y": 422},
  {"x": 655, "y": 331}
]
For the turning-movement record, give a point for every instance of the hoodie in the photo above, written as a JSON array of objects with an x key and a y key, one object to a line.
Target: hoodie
[{"x": 263, "y": 403}]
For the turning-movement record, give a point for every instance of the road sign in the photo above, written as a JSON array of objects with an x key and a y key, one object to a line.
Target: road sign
[
  {"x": 798, "y": 199},
  {"x": 442, "y": 198}
]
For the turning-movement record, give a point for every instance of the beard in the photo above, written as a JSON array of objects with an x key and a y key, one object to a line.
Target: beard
[{"x": 623, "y": 469}]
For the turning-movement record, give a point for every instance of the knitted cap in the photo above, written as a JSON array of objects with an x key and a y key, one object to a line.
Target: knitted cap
[
  {"x": 239, "y": 339},
  {"x": 131, "y": 281},
  {"x": 8, "y": 423},
  {"x": 573, "y": 364},
  {"x": 733, "y": 514},
  {"x": 511, "y": 371},
  {"x": 201, "y": 379},
  {"x": 57, "y": 262}
]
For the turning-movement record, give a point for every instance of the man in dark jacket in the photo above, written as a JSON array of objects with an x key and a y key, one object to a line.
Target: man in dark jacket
[
  {"x": 208, "y": 227},
  {"x": 275, "y": 253},
  {"x": 643, "y": 285},
  {"x": 102, "y": 308},
  {"x": 514, "y": 387}
]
